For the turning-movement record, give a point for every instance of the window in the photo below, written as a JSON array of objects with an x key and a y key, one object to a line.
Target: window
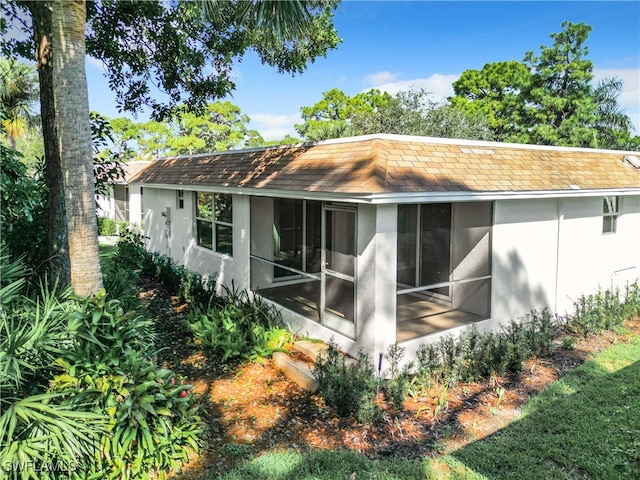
[
  {"x": 179, "y": 199},
  {"x": 214, "y": 218},
  {"x": 610, "y": 212}
]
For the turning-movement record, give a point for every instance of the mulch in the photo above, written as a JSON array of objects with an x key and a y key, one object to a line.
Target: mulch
[{"x": 251, "y": 408}]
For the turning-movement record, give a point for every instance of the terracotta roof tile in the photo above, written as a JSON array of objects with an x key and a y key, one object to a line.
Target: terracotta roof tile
[{"x": 396, "y": 164}]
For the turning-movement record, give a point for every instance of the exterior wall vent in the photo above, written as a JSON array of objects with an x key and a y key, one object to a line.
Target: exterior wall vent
[{"x": 632, "y": 161}]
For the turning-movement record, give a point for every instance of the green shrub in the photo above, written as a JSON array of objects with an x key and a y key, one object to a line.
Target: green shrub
[
  {"x": 473, "y": 355},
  {"x": 106, "y": 226},
  {"x": 195, "y": 291},
  {"x": 603, "y": 310},
  {"x": 131, "y": 252},
  {"x": 152, "y": 420},
  {"x": 397, "y": 381},
  {"x": 348, "y": 386},
  {"x": 23, "y": 209},
  {"x": 79, "y": 391},
  {"x": 37, "y": 428},
  {"x": 244, "y": 326},
  {"x": 123, "y": 226}
]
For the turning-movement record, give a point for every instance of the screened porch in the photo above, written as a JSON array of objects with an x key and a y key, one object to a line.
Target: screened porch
[{"x": 304, "y": 257}]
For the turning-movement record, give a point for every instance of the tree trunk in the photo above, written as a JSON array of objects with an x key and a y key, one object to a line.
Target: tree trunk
[
  {"x": 59, "y": 266},
  {"x": 71, "y": 102}
]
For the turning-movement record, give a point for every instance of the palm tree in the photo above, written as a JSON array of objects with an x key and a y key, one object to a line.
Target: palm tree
[
  {"x": 18, "y": 92},
  {"x": 611, "y": 123},
  {"x": 71, "y": 99},
  {"x": 59, "y": 27}
]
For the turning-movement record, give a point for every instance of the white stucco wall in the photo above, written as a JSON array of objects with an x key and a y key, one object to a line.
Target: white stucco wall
[
  {"x": 525, "y": 247},
  {"x": 135, "y": 205},
  {"x": 589, "y": 259},
  {"x": 546, "y": 253},
  {"x": 176, "y": 238}
]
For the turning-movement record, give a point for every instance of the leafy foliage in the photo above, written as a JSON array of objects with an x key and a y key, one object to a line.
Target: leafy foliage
[
  {"x": 241, "y": 326},
  {"x": 18, "y": 92},
  {"x": 107, "y": 163},
  {"x": 408, "y": 113},
  {"x": 348, "y": 386},
  {"x": 79, "y": 392},
  {"x": 604, "y": 310},
  {"x": 548, "y": 99},
  {"x": 23, "y": 200}
]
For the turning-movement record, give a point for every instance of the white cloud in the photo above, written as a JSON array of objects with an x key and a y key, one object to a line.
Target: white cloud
[
  {"x": 274, "y": 127},
  {"x": 380, "y": 78},
  {"x": 94, "y": 62},
  {"x": 629, "y": 98},
  {"x": 438, "y": 85}
]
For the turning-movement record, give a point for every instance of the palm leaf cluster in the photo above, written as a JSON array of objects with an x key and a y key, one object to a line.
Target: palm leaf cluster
[{"x": 80, "y": 396}]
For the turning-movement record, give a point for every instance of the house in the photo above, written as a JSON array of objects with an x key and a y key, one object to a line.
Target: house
[
  {"x": 123, "y": 202},
  {"x": 384, "y": 238}
]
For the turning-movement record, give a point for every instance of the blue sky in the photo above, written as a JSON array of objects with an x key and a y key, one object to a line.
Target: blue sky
[{"x": 397, "y": 45}]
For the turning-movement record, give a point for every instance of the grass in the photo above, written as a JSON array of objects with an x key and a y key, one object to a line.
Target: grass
[
  {"x": 585, "y": 425},
  {"x": 106, "y": 251}
]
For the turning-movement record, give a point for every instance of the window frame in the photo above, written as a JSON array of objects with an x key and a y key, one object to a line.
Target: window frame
[
  {"x": 179, "y": 199},
  {"x": 217, "y": 225},
  {"x": 610, "y": 214}
]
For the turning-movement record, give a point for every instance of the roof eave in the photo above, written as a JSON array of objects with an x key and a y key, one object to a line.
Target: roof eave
[{"x": 403, "y": 197}]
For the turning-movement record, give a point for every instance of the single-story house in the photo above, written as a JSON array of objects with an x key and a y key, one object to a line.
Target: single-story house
[
  {"x": 384, "y": 238},
  {"x": 122, "y": 202}
]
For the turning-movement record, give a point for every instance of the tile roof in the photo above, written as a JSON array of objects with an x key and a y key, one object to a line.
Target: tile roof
[{"x": 381, "y": 164}]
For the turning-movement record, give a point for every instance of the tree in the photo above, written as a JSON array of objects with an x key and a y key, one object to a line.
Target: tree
[
  {"x": 220, "y": 126},
  {"x": 559, "y": 102},
  {"x": 330, "y": 116},
  {"x": 170, "y": 44},
  {"x": 548, "y": 99},
  {"x": 18, "y": 93},
  {"x": 494, "y": 92},
  {"x": 414, "y": 112},
  {"x": 612, "y": 125},
  {"x": 71, "y": 103}
]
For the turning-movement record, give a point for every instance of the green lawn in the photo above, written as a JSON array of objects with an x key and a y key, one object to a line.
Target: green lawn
[
  {"x": 585, "y": 426},
  {"x": 106, "y": 251}
]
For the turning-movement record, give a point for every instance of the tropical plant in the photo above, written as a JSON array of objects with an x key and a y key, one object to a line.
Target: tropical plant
[
  {"x": 39, "y": 430},
  {"x": 152, "y": 419},
  {"x": 18, "y": 94},
  {"x": 242, "y": 326}
]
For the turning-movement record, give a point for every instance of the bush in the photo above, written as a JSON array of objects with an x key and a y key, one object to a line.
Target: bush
[
  {"x": 152, "y": 421},
  {"x": 106, "y": 226},
  {"x": 349, "y": 387},
  {"x": 604, "y": 310},
  {"x": 475, "y": 355},
  {"x": 23, "y": 210},
  {"x": 79, "y": 391},
  {"x": 397, "y": 384},
  {"x": 240, "y": 326}
]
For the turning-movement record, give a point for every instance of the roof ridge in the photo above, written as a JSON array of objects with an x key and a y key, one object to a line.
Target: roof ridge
[{"x": 403, "y": 139}]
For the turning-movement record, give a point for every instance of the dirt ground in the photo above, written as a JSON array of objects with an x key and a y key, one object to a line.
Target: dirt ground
[{"x": 253, "y": 408}]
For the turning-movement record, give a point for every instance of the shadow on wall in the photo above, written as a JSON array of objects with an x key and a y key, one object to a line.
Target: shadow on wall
[{"x": 514, "y": 295}]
